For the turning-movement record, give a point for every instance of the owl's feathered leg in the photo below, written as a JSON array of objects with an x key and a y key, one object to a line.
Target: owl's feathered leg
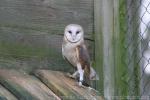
[{"x": 81, "y": 74}]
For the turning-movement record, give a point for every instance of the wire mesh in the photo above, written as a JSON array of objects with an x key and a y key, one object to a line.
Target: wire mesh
[{"x": 136, "y": 44}]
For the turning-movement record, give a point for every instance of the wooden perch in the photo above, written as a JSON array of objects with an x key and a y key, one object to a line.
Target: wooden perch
[
  {"x": 54, "y": 85},
  {"x": 25, "y": 87},
  {"x": 65, "y": 87}
]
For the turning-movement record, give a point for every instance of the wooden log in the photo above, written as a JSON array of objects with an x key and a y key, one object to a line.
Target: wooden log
[
  {"x": 5, "y": 94},
  {"x": 24, "y": 86},
  {"x": 64, "y": 86}
]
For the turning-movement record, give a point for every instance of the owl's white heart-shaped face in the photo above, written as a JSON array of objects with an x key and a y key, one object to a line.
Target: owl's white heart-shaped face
[{"x": 74, "y": 33}]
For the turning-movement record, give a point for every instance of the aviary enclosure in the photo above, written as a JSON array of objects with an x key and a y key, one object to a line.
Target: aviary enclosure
[{"x": 116, "y": 33}]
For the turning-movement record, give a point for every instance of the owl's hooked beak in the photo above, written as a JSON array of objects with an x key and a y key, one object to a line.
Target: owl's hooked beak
[{"x": 73, "y": 37}]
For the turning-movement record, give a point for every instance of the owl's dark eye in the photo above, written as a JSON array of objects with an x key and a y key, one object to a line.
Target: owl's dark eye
[
  {"x": 70, "y": 32},
  {"x": 77, "y": 32}
]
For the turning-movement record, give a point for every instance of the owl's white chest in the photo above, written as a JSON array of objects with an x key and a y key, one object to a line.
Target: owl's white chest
[{"x": 69, "y": 52}]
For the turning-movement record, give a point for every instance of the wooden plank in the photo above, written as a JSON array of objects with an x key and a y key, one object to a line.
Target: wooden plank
[
  {"x": 5, "y": 94},
  {"x": 107, "y": 13},
  {"x": 24, "y": 86},
  {"x": 64, "y": 86},
  {"x": 117, "y": 45},
  {"x": 98, "y": 43},
  {"x": 107, "y": 35},
  {"x": 46, "y": 15}
]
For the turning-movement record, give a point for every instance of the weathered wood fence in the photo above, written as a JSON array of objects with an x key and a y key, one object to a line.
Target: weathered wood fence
[
  {"x": 106, "y": 40},
  {"x": 31, "y": 33}
]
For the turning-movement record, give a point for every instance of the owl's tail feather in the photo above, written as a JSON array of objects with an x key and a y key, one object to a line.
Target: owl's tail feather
[
  {"x": 93, "y": 74},
  {"x": 87, "y": 75}
]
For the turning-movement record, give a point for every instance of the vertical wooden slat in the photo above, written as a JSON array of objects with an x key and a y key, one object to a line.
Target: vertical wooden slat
[
  {"x": 108, "y": 49},
  {"x": 98, "y": 42},
  {"x": 117, "y": 44},
  {"x": 107, "y": 43}
]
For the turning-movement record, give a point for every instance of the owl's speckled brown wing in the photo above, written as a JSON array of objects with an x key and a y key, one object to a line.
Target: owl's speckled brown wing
[{"x": 83, "y": 57}]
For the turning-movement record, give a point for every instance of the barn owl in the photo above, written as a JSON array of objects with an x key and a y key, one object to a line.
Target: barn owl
[{"x": 75, "y": 51}]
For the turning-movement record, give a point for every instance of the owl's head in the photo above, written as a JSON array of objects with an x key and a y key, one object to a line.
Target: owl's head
[{"x": 74, "y": 33}]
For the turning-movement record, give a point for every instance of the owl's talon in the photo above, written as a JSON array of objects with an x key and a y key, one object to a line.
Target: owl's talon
[
  {"x": 70, "y": 76},
  {"x": 80, "y": 83}
]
